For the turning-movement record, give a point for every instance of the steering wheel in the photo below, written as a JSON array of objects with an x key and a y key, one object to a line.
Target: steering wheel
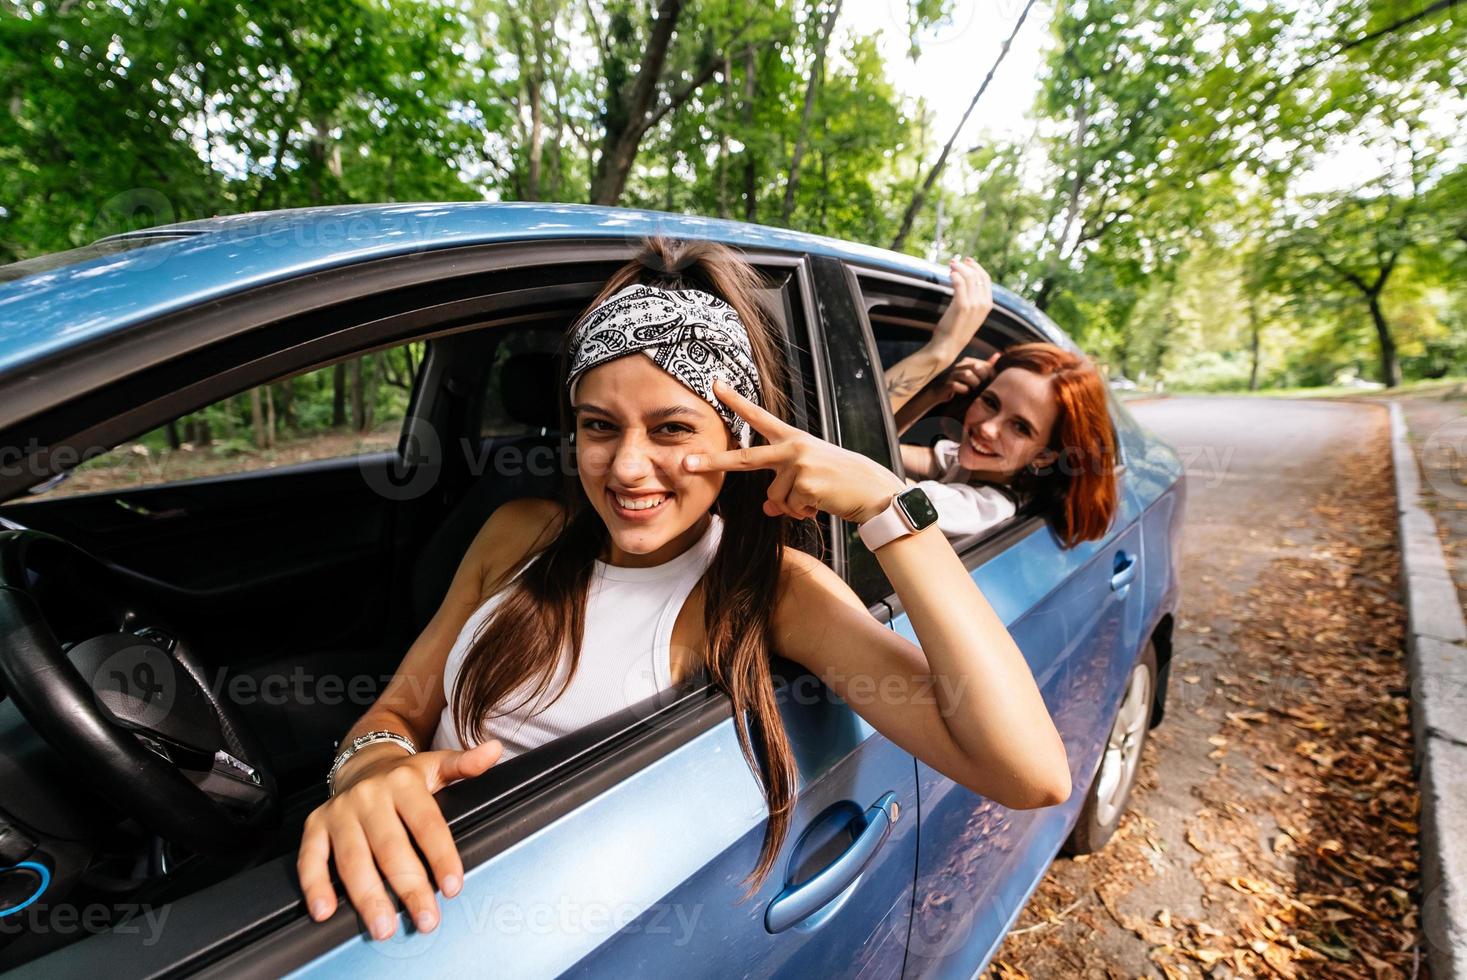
[{"x": 127, "y": 702}]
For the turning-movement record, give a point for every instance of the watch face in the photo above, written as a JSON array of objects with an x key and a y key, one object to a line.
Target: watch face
[{"x": 918, "y": 508}]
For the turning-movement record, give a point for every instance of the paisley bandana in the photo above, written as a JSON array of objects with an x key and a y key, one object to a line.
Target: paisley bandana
[{"x": 692, "y": 335}]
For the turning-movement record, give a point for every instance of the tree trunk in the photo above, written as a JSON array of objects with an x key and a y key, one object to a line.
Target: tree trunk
[
  {"x": 1042, "y": 295},
  {"x": 1390, "y": 370},
  {"x": 915, "y": 204},
  {"x": 317, "y": 155},
  {"x": 173, "y": 441},
  {"x": 751, "y": 183},
  {"x": 257, "y": 417},
  {"x": 723, "y": 211},
  {"x": 628, "y": 114},
  {"x": 269, "y": 417},
  {"x": 358, "y": 397},
  {"x": 817, "y": 78},
  {"x": 537, "y": 140},
  {"x": 287, "y": 403},
  {"x": 1253, "y": 344},
  {"x": 338, "y": 395}
]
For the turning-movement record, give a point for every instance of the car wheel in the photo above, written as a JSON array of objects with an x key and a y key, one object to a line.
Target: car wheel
[{"x": 1120, "y": 761}]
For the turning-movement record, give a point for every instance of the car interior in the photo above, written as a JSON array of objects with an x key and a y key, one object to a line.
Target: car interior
[{"x": 290, "y": 593}]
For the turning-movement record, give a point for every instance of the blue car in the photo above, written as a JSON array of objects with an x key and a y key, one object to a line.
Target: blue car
[{"x": 189, "y": 621}]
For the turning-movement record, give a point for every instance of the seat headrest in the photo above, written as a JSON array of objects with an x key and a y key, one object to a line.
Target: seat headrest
[{"x": 527, "y": 382}]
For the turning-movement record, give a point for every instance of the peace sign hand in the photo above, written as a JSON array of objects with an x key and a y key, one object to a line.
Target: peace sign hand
[{"x": 810, "y": 474}]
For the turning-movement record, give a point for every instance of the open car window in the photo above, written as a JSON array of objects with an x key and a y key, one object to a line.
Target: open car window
[
  {"x": 351, "y": 408},
  {"x": 903, "y": 313}
]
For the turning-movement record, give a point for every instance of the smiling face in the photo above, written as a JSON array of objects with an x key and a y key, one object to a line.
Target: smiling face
[
  {"x": 1008, "y": 425},
  {"x": 634, "y": 424}
]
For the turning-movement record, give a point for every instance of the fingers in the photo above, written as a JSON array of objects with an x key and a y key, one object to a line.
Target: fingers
[
  {"x": 779, "y": 490},
  {"x": 311, "y": 868},
  {"x": 452, "y": 765},
  {"x": 401, "y": 867},
  {"x": 749, "y": 458},
  {"x": 765, "y": 423},
  {"x": 959, "y": 274},
  {"x": 424, "y": 818},
  {"x": 358, "y": 872}
]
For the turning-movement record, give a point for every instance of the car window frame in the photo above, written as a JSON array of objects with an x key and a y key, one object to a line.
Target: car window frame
[
  {"x": 487, "y": 814},
  {"x": 974, "y": 550}
]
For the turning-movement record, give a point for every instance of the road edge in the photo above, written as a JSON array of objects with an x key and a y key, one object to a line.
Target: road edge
[{"x": 1436, "y": 655}]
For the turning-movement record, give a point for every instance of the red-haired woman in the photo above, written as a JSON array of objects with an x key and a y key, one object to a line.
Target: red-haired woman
[{"x": 1035, "y": 430}]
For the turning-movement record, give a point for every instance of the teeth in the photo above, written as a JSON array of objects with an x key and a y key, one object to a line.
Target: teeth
[
  {"x": 640, "y": 503},
  {"x": 973, "y": 444}
]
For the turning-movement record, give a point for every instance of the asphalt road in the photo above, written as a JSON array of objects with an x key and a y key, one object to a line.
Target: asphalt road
[{"x": 1257, "y": 469}]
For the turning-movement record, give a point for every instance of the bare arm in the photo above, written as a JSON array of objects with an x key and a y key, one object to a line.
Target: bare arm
[
  {"x": 972, "y": 300},
  {"x": 919, "y": 462},
  {"x": 917, "y": 406},
  {"x": 965, "y": 702},
  {"x": 413, "y": 700},
  {"x": 384, "y": 799}
]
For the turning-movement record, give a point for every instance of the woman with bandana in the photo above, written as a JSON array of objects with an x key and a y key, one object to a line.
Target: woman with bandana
[{"x": 670, "y": 558}]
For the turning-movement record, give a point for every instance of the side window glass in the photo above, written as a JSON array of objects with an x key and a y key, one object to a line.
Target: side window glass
[{"x": 351, "y": 408}]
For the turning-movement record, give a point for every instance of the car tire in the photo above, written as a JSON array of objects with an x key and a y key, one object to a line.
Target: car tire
[{"x": 1120, "y": 761}]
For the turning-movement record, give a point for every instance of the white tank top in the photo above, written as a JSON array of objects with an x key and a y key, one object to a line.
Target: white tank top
[{"x": 625, "y": 653}]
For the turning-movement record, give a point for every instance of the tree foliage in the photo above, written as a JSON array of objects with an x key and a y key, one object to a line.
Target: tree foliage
[{"x": 1303, "y": 161}]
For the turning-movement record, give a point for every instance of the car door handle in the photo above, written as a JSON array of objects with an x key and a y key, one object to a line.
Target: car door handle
[
  {"x": 798, "y": 902},
  {"x": 143, "y": 510},
  {"x": 1125, "y": 571}
]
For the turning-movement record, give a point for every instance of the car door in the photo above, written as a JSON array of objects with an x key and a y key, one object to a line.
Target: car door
[
  {"x": 620, "y": 848},
  {"x": 1068, "y": 610},
  {"x": 643, "y": 876}
]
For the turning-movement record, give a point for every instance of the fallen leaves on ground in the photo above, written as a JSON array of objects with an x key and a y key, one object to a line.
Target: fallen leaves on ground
[{"x": 1302, "y": 851}]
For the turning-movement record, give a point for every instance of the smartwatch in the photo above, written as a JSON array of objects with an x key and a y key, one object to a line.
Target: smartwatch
[{"x": 909, "y": 512}]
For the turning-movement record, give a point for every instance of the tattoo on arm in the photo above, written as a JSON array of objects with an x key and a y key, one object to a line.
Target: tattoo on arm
[{"x": 902, "y": 382}]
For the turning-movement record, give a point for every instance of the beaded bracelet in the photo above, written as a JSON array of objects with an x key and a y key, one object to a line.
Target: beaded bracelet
[{"x": 359, "y": 743}]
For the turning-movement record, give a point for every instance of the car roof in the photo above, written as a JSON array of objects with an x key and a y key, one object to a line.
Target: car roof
[{"x": 195, "y": 262}]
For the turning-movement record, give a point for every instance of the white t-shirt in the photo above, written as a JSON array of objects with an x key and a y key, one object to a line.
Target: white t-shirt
[
  {"x": 626, "y": 652},
  {"x": 963, "y": 509}
]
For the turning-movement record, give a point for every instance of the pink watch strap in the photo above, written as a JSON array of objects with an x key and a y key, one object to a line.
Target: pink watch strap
[{"x": 885, "y": 527}]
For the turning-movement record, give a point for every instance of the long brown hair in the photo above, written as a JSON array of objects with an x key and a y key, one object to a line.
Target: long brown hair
[
  {"x": 1078, "y": 490},
  {"x": 544, "y": 610}
]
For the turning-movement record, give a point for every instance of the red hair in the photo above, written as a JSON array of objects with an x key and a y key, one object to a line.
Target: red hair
[{"x": 1079, "y": 486}]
